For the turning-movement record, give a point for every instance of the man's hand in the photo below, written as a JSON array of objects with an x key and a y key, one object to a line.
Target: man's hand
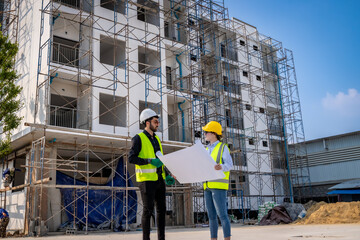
[
  {"x": 218, "y": 167},
  {"x": 156, "y": 162},
  {"x": 169, "y": 180}
]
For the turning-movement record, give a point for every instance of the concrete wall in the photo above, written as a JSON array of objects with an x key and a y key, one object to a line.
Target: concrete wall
[
  {"x": 27, "y": 61},
  {"x": 332, "y": 160}
]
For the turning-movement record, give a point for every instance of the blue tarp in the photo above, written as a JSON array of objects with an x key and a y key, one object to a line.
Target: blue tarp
[
  {"x": 100, "y": 207},
  {"x": 345, "y": 191}
]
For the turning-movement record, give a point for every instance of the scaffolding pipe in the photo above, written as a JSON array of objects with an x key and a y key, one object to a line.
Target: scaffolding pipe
[
  {"x": 285, "y": 140},
  {"x": 177, "y": 24},
  {"x": 38, "y": 182}
]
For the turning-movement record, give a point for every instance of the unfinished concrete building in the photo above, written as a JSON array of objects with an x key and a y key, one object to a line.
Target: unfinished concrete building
[{"x": 89, "y": 67}]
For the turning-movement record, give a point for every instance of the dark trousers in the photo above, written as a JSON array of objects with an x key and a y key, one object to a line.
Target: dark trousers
[
  {"x": 3, "y": 224},
  {"x": 153, "y": 192}
]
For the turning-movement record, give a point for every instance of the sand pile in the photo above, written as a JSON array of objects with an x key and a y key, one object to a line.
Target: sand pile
[
  {"x": 309, "y": 204},
  {"x": 332, "y": 213}
]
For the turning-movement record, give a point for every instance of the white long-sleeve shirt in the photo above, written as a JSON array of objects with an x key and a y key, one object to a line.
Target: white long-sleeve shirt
[{"x": 227, "y": 163}]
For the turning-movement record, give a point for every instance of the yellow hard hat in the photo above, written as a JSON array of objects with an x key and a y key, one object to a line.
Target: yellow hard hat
[{"x": 213, "y": 126}]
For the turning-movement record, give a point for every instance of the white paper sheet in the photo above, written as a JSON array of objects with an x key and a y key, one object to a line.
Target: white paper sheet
[{"x": 192, "y": 164}]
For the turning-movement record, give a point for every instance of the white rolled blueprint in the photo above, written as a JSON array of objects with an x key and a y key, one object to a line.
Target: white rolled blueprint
[{"x": 192, "y": 165}]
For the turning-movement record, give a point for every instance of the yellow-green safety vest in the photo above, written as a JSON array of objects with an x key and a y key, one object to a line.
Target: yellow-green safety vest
[
  {"x": 223, "y": 183},
  {"x": 147, "y": 172}
]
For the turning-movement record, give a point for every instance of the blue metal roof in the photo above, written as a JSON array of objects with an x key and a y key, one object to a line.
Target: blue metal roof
[
  {"x": 347, "y": 185},
  {"x": 350, "y": 191}
]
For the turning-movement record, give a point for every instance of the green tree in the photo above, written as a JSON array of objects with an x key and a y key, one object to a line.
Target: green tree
[{"x": 9, "y": 92}]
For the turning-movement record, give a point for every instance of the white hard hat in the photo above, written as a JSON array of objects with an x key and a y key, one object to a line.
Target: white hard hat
[{"x": 146, "y": 114}]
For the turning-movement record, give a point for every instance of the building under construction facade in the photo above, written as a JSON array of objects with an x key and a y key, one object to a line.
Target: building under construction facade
[{"x": 89, "y": 67}]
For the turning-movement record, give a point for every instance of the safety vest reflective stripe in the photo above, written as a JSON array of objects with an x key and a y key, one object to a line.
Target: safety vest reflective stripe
[
  {"x": 219, "y": 155},
  {"x": 147, "y": 172},
  {"x": 139, "y": 170},
  {"x": 221, "y": 180},
  {"x": 218, "y": 183}
]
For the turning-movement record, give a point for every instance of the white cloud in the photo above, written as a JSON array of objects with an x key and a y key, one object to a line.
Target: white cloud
[{"x": 346, "y": 104}]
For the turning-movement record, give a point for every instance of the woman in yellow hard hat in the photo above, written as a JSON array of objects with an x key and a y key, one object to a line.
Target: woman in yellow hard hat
[{"x": 216, "y": 190}]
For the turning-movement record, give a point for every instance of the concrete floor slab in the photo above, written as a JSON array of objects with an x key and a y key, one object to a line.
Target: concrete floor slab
[{"x": 278, "y": 232}]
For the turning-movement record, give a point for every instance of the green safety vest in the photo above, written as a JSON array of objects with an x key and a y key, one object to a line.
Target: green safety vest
[
  {"x": 223, "y": 183},
  {"x": 147, "y": 172}
]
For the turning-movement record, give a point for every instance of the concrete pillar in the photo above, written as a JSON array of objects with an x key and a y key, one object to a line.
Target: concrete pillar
[{"x": 54, "y": 196}]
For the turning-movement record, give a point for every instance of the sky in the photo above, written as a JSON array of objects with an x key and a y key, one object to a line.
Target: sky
[{"x": 324, "y": 36}]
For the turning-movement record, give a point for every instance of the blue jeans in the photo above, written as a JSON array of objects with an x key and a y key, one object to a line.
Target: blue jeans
[{"x": 215, "y": 200}]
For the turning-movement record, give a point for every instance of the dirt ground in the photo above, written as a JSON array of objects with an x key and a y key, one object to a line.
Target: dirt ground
[{"x": 239, "y": 232}]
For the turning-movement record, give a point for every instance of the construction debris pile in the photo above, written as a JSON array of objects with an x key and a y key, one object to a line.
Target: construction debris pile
[
  {"x": 332, "y": 213},
  {"x": 312, "y": 213},
  {"x": 274, "y": 214}
]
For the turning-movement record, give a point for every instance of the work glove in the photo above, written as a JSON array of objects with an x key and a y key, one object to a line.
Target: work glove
[
  {"x": 169, "y": 180},
  {"x": 156, "y": 162}
]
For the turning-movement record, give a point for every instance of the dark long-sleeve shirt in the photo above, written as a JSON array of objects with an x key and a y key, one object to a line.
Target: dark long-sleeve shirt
[{"x": 136, "y": 148}]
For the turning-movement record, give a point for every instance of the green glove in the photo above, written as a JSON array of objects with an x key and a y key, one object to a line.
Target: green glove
[
  {"x": 156, "y": 162},
  {"x": 169, "y": 180}
]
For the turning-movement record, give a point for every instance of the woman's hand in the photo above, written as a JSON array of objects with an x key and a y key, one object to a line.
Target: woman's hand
[{"x": 218, "y": 167}]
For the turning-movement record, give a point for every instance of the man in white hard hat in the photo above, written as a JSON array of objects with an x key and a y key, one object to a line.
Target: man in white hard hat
[{"x": 150, "y": 173}]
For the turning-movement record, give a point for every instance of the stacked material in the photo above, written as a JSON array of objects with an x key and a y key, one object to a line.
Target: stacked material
[
  {"x": 332, "y": 213},
  {"x": 264, "y": 209}
]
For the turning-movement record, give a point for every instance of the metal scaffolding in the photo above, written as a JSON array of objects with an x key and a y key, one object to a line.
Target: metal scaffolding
[{"x": 192, "y": 64}]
